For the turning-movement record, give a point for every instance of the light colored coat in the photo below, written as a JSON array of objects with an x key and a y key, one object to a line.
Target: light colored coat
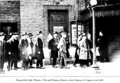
[
  {"x": 84, "y": 52},
  {"x": 62, "y": 45},
  {"x": 25, "y": 48}
]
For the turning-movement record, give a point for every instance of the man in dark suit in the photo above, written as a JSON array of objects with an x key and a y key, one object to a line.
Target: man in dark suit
[
  {"x": 54, "y": 50},
  {"x": 39, "y": 55},
  {"x": 13, "y": 51}
]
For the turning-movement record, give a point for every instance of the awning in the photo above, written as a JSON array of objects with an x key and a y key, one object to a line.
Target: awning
[{"x": 100, "y": 11}]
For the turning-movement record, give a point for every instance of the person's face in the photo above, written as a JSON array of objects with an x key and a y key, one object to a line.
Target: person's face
[
  {"x": 64, "y": 35},
  {"x": 89, "y": 36},
  {"x": 31, "y": 37},
  {"x": 100, "y": 34},
  {"x": 84, "y": 38},
  {"x": 55, "y": 35}
]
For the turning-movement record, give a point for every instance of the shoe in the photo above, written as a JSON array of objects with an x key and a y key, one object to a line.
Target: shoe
[
  {"x": 9, "y": 69},
  {"x": 67, "y": 67},
  {"x": 31, "y": 67},
  {"x": 15, "y": 68},
  {"x": 74, "y": 65},
  {"x": 18, "y": 67},
  {"x": 61, "y": 67},
  {"x": 42, "y": 67},
  {"x": 24, "y": 69},
  {"x": 37, "y": 67},
  {"x": 83, "y": 66},
  {"x": 55, "y": 67}
]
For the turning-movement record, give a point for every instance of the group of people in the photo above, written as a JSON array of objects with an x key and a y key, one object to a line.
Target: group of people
[
  {"x": 59, "y": 46},
  {"x": 15, "y": 48},
  {"x": 84, "y": 55}
]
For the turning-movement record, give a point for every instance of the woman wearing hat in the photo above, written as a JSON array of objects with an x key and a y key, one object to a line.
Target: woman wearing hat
[
  {"x": 62, "y": 50},
  {"x": 24, "y": 48},
  {"x": 84, "y": 53},
  {"x": 2, "y": 55}
]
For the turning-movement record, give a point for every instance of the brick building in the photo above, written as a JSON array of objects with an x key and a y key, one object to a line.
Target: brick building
[{"x": 35, "y": 15}]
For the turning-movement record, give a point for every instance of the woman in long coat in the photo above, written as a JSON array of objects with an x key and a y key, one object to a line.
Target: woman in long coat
[
  {"x": 84, "y": 53},
  {"x": 2, "y": 55},
  {"x": 39, "y": 55}
]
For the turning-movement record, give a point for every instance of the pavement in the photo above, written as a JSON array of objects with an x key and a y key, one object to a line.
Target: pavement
[{"x": 105, "y": 69}]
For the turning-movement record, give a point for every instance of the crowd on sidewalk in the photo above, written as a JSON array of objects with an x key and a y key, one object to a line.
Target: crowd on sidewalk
[{"x": 14, "y": 49}]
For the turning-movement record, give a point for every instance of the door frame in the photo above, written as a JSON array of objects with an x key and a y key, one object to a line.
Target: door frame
[{"x": 45, "y": 18}]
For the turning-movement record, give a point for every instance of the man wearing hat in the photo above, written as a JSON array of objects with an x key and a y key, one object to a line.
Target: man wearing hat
[
  {"x": 2, "y": 55},
  {"x": 54, "y": 50},
  {"x": 39, "y": 55},
  {"x": 62, "y": 50},
  {"x": 13, "y": 51}
]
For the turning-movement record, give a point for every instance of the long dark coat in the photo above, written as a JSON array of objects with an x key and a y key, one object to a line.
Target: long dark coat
[
  {"x": 39, "y": 55},
  {"x": 53, "y": 46},
  {"x": 13, "y": 48},
  {"x": 6, "y": 45}
]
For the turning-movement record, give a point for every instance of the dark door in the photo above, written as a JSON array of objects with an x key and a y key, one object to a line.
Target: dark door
[
  {"x": 8, "y": 28},
  {"x": 57, "y": 20}
]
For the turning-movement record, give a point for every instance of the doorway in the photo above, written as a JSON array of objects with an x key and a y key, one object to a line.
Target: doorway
[
  {"x": 57, "y": 20},
  {"x": 8, "y": 28}
]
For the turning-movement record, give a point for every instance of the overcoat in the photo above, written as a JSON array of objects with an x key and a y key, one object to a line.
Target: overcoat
[
  {"x": 53, "y": 46},
  {"x": 84, "y": 50},
  {"x": 39, "y": 55},
  {"x": 14, "y": 50},
  {"x": 24, "y": 49}
]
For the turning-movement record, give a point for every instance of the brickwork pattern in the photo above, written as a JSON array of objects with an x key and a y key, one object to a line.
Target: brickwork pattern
[{"x": 34, "y": 15}]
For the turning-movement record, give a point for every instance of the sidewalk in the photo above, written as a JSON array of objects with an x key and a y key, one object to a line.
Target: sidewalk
[{"x": 105, "y": 70}]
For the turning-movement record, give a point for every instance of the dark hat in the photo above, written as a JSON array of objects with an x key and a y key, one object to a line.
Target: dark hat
[
  {"x": 30, "y": 34},
  {"x": 40, "y": 32},
  {"x": 55, "y": 32}
]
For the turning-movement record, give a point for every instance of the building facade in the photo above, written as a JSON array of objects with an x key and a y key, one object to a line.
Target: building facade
[
  {"x": 32, "y": 16},
  {"x": 45, "y": 15}
]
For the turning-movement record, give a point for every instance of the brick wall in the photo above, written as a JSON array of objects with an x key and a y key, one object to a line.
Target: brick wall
[
  {"x": 34, "y": 14},
  {"x": 10, "y": 12}
]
